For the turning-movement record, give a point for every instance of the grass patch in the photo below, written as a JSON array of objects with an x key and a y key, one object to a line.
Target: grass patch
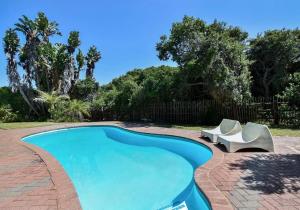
[
  {"x": 276, "y": 131},
  {"x": 14, "y": 125}
]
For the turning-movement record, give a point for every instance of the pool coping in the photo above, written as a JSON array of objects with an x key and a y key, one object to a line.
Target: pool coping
[{"x": 67, "y": 195}]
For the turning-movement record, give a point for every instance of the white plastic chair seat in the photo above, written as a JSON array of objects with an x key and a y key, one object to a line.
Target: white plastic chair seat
[
  {"x": 252, "y": 136},
  {"x": 234, "y": 138},
  {"x": 227, "y": 127}
]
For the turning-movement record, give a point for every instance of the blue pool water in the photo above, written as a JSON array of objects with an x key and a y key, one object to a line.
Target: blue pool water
[{"x": 116, "y": 169}]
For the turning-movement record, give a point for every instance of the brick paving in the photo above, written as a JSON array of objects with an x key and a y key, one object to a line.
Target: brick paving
[
  {"x": 25, "y": 182},
  {"x": 31, "y": 179}
]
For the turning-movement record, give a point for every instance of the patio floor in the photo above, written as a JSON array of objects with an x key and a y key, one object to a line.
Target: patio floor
[{"x": 242, "y": 180}]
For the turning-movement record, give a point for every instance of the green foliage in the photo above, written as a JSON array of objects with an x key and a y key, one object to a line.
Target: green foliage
[
  {"x": 62, "y": 109},
  {"x": 45, "y": 27},
  {"x": 292, "y": 90},
  {"x": 73, "y": 41},
  {"x": 92, "y": 57},
  {"x": 14, "y": 101},
  {"x": 47, "y": 66},
  {"x": 76, "y": 110},
  {"x": 105, "y": 99},
  {"x": 85, "y": 89},
  {"x": 274, "y": 55},
  {"x": 69, "y": 111},
  {"x": 212, "y": 56},
  {"x": 7, "y": 115},
  {"x": 80, "y": 59},
  {"x": 11, "y": 42},
  {"x": 136, "y": 89}
]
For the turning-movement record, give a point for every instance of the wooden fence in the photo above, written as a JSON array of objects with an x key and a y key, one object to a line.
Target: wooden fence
[{"x": 271, "y": 111}]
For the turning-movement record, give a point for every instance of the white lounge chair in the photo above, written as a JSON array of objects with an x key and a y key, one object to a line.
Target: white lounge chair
[
  {"x": 227, "y": 127},
  {"x": 252, "y": 136}
]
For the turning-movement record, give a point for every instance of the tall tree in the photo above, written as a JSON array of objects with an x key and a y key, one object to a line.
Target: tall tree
[
  {"x": 45, "y": 27},
  {"x": 274, "y": 54},
  {"x": 92, "y": 57},
  {"x": 211, "y": 57},
  {"x": 47, "y": 66},
  {"x": 80, "y": 63},
  {"x": 28, "y": 53},
  {"x": 69, "y": 72},
  {"x": 11, "y": 45}
]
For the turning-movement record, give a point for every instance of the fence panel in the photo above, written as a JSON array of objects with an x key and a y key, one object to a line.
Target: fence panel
[{"x": 262, "y": 110}]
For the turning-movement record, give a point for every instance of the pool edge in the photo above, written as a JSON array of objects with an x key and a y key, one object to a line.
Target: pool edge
[{"x": 67, "y": 195}]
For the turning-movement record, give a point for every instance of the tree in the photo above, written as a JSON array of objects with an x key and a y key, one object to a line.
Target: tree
[
  {"x": 92, "y": 57},
  {"x": 157, "y": 84},
  {"x": 45, "y": 27},
  {"x": 11, "y": 45},
  {"x": 80, "y": 63},
  {"x": 212, "y": 56},
  {"x": 292, "y": 90},
  {"x": 85, "y": 89},
  {"x": 274, "y": 54},
  {"x": 70, "y": 72},
  {"x": 47, "y": 66},
  {"x": 135, "y": 89},
  {"x": 78, "y": 109}
]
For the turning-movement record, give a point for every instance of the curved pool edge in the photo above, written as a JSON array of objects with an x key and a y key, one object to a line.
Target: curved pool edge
[{"x": 67, "y": 195}]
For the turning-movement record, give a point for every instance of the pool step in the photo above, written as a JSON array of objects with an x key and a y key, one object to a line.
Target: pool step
[{"x": 181, "y": 206}]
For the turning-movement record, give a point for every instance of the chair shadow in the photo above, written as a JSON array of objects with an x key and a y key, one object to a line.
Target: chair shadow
[{"x": 271, "y": 173}]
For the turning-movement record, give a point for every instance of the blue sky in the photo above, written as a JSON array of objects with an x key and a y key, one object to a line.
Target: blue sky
[{"x": 126, "y": 31}]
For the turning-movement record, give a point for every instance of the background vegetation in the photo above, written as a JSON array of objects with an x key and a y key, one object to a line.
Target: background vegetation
[{"x": 215, "y": 61}]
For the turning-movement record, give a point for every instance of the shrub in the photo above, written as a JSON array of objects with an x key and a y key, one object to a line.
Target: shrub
[
  {"x": 6, "y": 114},
  {"x": 69, "y": 110},
  {"x": 85, "y": 89},
  {"x": 292, "y": 91},
  {"x": 15, "y": 102}
]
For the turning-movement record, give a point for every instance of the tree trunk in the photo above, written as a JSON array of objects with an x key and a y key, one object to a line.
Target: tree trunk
[
  {"x": 267, "y": 90},
  {"x": 27, "y": 100},
  {"x": 265, "y": 83}
]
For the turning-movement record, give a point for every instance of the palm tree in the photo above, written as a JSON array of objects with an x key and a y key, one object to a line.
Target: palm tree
[
  {"x": 11, "y": 45},
  {"x": 69, "y": 72},
  {"x": 50, "y": 98},
  {"x": 45, "y": 27},
  {"x": 37, "y": 33},
  {"x": 28, "y": 54},
  {"x": 92, "y": 57},
  {"x": 80, "y": 63},
  {"x": 78, "y": 109}
]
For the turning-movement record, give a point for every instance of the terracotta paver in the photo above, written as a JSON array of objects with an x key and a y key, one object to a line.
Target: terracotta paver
[
  {"x": 30, "y": 178},
  {"x": 25, "y": 182}
]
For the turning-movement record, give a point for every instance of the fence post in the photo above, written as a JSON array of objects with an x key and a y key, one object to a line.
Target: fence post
[{"x": 275, "y": 111}]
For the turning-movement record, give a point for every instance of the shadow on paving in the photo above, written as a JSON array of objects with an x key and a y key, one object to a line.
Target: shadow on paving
[{"x": 270, "y": 173}]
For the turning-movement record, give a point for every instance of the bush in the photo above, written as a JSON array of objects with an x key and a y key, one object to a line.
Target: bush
[
  {"x": 85, "y": 89},
  {"x": 6, "y": 114},
  {"x": 15, "y": 102},
  {"x": 292, "y": 91},
  {"x": 69, "y": 111}
]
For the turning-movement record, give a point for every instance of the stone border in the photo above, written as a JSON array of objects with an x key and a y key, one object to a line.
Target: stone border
[{"x": 67, "y": 195}]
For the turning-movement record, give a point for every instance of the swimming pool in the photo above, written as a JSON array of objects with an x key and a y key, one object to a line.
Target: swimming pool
[{"x": 112, "y": 168}]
